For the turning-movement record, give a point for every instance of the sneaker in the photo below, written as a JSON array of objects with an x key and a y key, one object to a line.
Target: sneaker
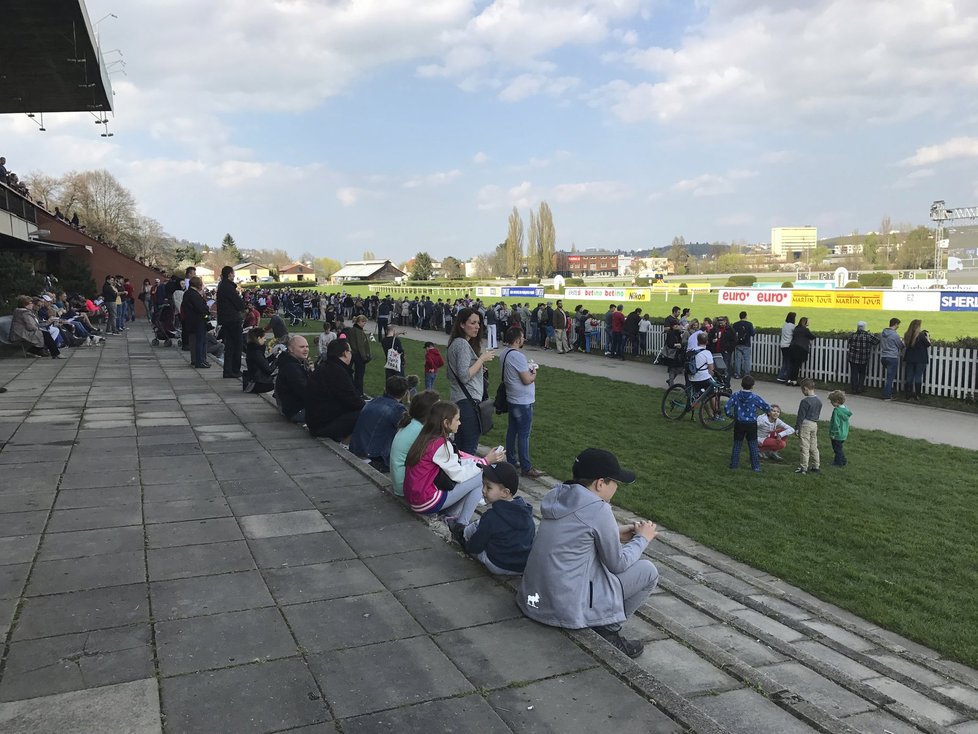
[
  {"x": 780, "y": 379},
  {"x": 801, "y": 470},
  {"x": 815, "y": 470},
  {"x": 613, "y": 636},
  {"x": 765, "y": 454},
  {"x": 776, "y": 456}
]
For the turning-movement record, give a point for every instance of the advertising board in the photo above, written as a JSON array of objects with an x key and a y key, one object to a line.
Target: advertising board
[
  {"x": 911, "y": 300},
  {"x": 515, "y": 291},
  {"x": 607, "y": 294},
  {"x": 872, "y": 300},
  {"x": 959, "y": 301}
]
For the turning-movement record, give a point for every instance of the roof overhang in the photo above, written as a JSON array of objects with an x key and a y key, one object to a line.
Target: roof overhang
[
  {"x": 50, "y": 60},
  {"x": 27, "y": 247}
]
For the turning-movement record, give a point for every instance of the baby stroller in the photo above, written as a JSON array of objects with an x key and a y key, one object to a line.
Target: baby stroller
[
  {"x": 295, "y": 314},
  {"x": 163, "y": 326},
  {"x": 720, "y": 370}
]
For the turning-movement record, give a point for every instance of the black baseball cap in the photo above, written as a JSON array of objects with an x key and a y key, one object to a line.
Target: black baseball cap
[
  {"x": 601, "y": 464},
  {"x": 503, "y": 473}
]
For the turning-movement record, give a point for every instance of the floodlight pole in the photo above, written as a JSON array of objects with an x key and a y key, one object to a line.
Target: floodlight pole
[{"x": 940, "y": 214}]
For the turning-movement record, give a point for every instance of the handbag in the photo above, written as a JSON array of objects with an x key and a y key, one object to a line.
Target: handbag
[
  {"x": 393, "y": 360},
  {"x": 484, "y": 409},
  {"x": 501, "y": 403}
]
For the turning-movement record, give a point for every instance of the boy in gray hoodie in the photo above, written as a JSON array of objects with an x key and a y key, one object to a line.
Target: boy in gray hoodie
[{"x": 585, "y": 570}]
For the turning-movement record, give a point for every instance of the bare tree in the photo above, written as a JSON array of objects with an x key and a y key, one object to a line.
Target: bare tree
[
  {"x": 533, "y": 264},
  {"x": 483, "y": 266},
  {"x": 548, "y": 240},
  {"x": 514, "y": 244}
]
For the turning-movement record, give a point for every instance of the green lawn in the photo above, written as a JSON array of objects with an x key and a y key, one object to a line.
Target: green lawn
[{"x": 890, "y": 537}]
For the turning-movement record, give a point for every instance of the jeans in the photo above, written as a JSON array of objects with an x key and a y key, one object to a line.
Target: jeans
[
  {"x": 199, "y": 346},
  {"x": 840, "y": 455},
  {"x": 890, "y": 365},
  {"x": 746, "y": 431},
  {"x": 120, "y": 316},
  {"x": 112, "y": 322},
  {"x": 785, "y": 368},
  {"x": 429, "y": 380},
  {"x": 359, "y": 369},
  {"x": 857, "y": 377},
  {"x": 518, "y": 435},
  {"x": 463, "y": 499},
  {"x": 616, "y": 344},
  {"x": 467, "y": 435},
  {"x": 483, "y": 556},
  {"x": 741, "y": 361},
  {"x": 914, "y": 377}
]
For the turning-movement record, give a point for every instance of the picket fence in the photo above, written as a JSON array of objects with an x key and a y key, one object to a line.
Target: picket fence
[{"x": 951, "y": 372}]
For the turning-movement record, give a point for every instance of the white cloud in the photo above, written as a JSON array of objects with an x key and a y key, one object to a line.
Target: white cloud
[
  {"x": 797, "y": 63},
  {"x": 954, "y": 148},
  {"x": 529, "y": 85},
  {"x": 593, "y": 190},
  {"x": 349, "y": 195},
  {"x": 495, "y": 197},
  {"x": 480, "y": 158},
  {"x": 430, "y": 180},
  {"x": 778, "y": 156},
  {"x": 713, "y": 184}
]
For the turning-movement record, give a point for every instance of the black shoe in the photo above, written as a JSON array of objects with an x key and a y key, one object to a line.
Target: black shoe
[
  {"x": 205, "y": 365},
  {"x": 457, "y": 530},
  {"x": 613, "y": 636},
  {"x": 232, "y": 376}
]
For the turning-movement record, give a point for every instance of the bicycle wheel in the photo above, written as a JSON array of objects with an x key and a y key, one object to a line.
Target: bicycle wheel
[
  {"x": 675, "y": 403},
  {"x": 713, "y": 415}
]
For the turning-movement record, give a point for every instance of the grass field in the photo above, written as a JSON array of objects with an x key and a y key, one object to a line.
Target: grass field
[
  {"x": 890, "y": 537},
  {"x": 946, "y": 326}
]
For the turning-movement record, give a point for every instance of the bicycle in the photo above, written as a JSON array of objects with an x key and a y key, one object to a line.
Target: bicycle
[{"x": 679, "y": 400}]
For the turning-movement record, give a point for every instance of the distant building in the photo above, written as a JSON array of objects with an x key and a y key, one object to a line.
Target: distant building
[
  {"x": 368, "y": 270},
  {"x": 790, "y": 242},
  {"x": 850, "y": 248},
  {"x": 250, "y": 272},
  {"x": 297, "y": 272},
  {"x": 589, "y": 262}
]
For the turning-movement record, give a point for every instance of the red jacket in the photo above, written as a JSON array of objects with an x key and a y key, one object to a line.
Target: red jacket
[
  {"x": 433, "y": 361},
  {"x": 617, "y": 321}
]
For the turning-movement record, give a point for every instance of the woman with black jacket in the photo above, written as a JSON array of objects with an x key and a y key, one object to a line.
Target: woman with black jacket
[
  {"x": 196, "y": 314},
  {"x": 259, "y": 373},
  {"x": 801, "y": 345}
]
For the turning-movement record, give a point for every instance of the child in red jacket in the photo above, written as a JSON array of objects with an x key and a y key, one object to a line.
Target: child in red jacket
[{"x": 433, "y": 362}]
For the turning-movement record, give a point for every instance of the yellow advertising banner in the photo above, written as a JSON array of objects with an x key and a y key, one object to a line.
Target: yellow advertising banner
[{"x": 870, "y": 300}]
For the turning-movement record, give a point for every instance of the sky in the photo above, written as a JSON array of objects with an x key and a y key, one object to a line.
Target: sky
[{"x": 339, "y": 126}]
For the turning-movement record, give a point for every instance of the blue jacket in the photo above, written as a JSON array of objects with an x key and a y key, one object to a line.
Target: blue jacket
[
  {"x": 505, "y": 533},
  {"x": 376, "y": 427},
  {"x": 745, "y": 405}
]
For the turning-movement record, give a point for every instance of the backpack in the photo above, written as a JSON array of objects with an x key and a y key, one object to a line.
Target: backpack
[
  {"x": 691, "y": 368},
  {"x": 743, "y": 334}
]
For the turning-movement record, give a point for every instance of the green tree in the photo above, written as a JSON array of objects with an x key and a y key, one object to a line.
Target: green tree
[
  {"x": 452, "y": 269},
  {"x": 368, "y": 255},
  {"x": 547, "y": 243},
  {"x": 918, "y": 249},
  {"x": 422, "y": 267},
  {"x": 679, "y": 255},
  {"x": 534, "y": 266},
  {"x": 188, "y": 254},
  {"x": 325, "y": 267},
  {"x": 18, "y": 280},
  {"x": 871, "y": 246},
  {"x": 514, "y": 244},
  {"x": 230, "y": 254}
]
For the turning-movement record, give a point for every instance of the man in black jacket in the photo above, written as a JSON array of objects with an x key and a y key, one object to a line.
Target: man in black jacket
[
  {"x": 333, "y": 403},
  {"x": 230, "y": 317},
  {"x": 290, "y": 384},
  {"x": 109, "y": 294},
  {"x": 196, "y": 313}
]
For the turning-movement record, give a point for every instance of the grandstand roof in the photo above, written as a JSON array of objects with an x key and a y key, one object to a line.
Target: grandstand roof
[
  {"x": 362, "y": 269},
  {"x": 49, "y": 59}
]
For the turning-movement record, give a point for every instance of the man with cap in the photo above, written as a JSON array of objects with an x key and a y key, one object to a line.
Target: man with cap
[
  {"x": 503, "y": 537},
  {"x": 584, "y": 569},
  {"x": 861, "y": 344}
]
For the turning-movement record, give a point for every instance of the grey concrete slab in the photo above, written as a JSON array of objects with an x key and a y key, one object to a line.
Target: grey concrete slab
[
  {"x": 283, "y": 523},
  {"x": 149, "y": 477},
  {"x": 768, "y": 625},
  {"x": 164, "y": 465},
  {"x": 380, "y": 512},
  {"x": 17, "y": 472},
  {"x": 235, "y": 487},
  {"x": 837, "y": 660},
  {"x": 424, "y": 567},
  {"x": 298, "y": 584},
  {"x": 100, "y": 478},
  {"x": 199, "y": 595},
  {"x": 264, "y": 697},
  {"x": 222, "y": 640},
  {"x": 81, "y": 611},
  {"x": 284, "y": 500},
  {"x": 29, "y": 455},
  {"x": 961, "y": 694},
  {"x": 172, "y": 450},
  {"x": 459, "y": 604},
  {"x": 551, "y": 706},
  {"x": 362, "y": 680},
  {"x": 22, "y": 523},
  {"x": 91, "y": 518},
  {"x": 433, "y": 717},
  {"x": 12, "y": 578},
  {"x": 26, "y": 501},
  {"x": 351, "y": 494},
  {"x": 193, "y": 532},
  {"x": 18, "y": 548},
  {"x": 198, "y": 560},
  {"x": 747, "y": 712},
  {"x": 132, "y": 707},
  {"x": 918, "y": 673},
  {"x": 73, "y": 662},
  {"x": 350, "y": 621},
  {"x": 89, "y": 543},
  {"x": 745, "y": 648},
  {"x": 76, "y": 499},
  {"x": 181, "y": 491},
  {"x": 75, "y": 574},
  {"x": 313, "y": 460},
  {"x": 181, "y": 510},
  {"x": 834, "y": 632},
  {"x": 682, "y": 669},
  {"x": 41, "y": 482},
  {"x": 84, "y": 459},
  {"x": 916, "y": 701},
  {"x": 877, "y": 722},
  {"x": 400, "y": 537},
  {"x": 679, "y": 611},
  {"x": 494, "y": 655},
  {"x": 818, "y": 690},
  {"x": 300, "y": 550}
]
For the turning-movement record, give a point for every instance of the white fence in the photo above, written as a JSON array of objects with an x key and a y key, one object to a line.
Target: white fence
[{"x": 951, "y": 372}]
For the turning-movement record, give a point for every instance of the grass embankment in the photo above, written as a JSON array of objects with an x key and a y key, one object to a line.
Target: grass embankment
[{"x": 890, "y": 537}]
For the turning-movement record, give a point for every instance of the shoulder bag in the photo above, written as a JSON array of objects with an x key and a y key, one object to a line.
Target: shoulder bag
[
  {"x": 501, "y": 403},
  {"x": 484, "y": 409}
]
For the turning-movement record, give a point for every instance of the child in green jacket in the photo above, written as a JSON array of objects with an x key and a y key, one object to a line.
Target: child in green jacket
[{"x": 839, "y": 426}]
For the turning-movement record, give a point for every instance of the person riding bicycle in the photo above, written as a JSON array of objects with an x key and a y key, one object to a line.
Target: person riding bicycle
[{"x": 700, "y": 365}]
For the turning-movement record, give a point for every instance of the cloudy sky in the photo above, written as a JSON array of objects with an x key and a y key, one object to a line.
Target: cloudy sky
[{"x": 336, "y": 126}]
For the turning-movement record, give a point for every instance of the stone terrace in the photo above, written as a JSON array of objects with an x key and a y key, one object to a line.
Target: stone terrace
[{"x": 174, "y": 557}]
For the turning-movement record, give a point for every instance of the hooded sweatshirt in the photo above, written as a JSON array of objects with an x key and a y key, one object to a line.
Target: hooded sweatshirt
[
  {"x": 890, "y": 344},
  {"x": 505, "y": 533},
  {"x": 570, "y": 578}
]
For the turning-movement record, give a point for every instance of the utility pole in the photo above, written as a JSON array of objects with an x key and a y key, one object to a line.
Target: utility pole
[{"x": 941, "y": 214}]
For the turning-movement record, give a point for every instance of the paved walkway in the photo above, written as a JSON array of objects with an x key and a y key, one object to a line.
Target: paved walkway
[{"x": 174, "y": 557}]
